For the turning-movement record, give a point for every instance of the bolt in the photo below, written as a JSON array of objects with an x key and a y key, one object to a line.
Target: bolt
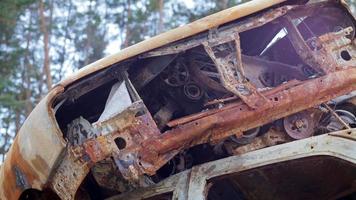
[{"x": 299, "y": 123}]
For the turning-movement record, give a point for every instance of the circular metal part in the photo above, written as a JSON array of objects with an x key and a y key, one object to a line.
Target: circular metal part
[
  {"x": 193, "y": 91},
  {"x": 175, "y": 75},
  {"x": 336, "y": 125},
  {"x": 246, "y": 137},
  {"x": 300, "y": 125}
]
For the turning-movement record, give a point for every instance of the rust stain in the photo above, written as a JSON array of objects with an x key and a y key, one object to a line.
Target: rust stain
[
  {"x": 146, "y": 149},
  {"x": 221, "y": 123},
  {"x": 40, "y": 163},
  {"x": 18, "y": 174}
]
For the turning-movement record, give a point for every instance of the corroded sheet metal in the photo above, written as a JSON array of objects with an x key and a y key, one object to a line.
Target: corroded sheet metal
[
  {"x": 222, "y": 36},
  {"x": 148, "y": 154},
  {"x": 241, "y": 118},
  {"x": 195, "y": 180},
  {"x": 323, "y": 145},
  {"x": 176, "y": 184},
  {"x": 34, "y": 153},
  {"x": 133, "y": 126},
  {"x": 70, "y": 174},
  {"x": 38, "y": 155}
]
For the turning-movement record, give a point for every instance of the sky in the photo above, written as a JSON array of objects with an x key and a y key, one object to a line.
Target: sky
[{"x": 114, "y": 46}]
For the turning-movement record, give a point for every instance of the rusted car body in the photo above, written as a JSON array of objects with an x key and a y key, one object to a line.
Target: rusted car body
[
  {"x": 275, "y": 171},
  {"x": 221, "y": 108}
]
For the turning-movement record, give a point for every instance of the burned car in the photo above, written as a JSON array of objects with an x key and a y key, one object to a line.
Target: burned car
[{"x": 253, "y": 102}]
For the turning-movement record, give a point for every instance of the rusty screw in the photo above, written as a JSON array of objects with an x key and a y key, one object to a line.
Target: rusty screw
[{"x": 299, "y": 123}]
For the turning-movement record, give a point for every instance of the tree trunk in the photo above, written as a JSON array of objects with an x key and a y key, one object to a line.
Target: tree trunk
[
  {"x": 223, "y": 4},
  {"x": 64, "y": 46},
  {"x": 128, "y": 27},
  {"x": 44, "y": 30},
  {"x": 27, "y": 70},
  {"x": 89, "y": 33},
  {"x": 161, "y": 16},
  {"x": 17, "y": 120}
]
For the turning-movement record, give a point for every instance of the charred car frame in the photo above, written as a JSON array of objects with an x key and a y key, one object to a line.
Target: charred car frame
[{"x": 261, "y": 93}]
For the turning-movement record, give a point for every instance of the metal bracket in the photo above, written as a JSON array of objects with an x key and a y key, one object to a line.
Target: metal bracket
[{"x": 232, "y": 74}]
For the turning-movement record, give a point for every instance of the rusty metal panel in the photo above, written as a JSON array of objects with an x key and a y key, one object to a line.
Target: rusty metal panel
[
  {"x": 333, "y": 145},
  {"x": 327, "y": 145},
  {"x": 34, "y": 153},
  {"x": 240, "y": 118},
  {"x": 177, "y": 184},
  {"x": 132, "y": 141}
]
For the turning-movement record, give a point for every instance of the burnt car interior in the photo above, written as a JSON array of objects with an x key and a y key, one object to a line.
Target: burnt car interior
[{"x": 158, "y": 92}]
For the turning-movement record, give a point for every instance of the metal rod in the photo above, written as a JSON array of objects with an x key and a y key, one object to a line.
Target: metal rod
[{"x": 337, "y": 116}]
